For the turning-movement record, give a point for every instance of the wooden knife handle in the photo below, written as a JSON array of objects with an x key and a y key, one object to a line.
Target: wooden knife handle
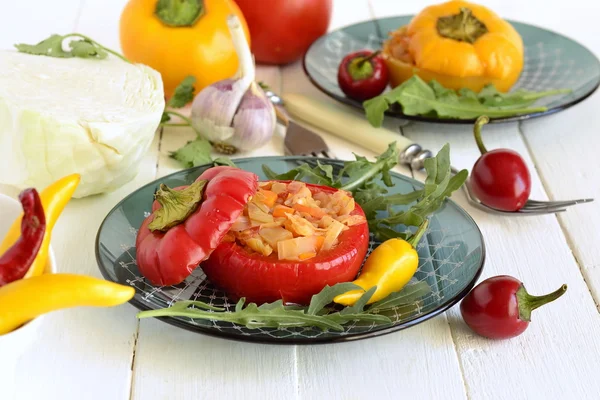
[{"x": 343, "y": 122}]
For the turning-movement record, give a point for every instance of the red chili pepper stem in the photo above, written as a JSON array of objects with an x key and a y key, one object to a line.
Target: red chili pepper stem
[
  {"x": 416, "y": 238},
  {"x": 368, "y": 58},
  {"x": 527, "y": 303},
  {"x": 361, "y": 68},
  {"x": 481, "y": 121}
]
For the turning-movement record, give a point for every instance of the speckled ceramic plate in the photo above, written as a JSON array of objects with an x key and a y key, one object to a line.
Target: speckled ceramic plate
[
  {"x": 451, "y": 257},
  {"x": 552, "y": 61}
]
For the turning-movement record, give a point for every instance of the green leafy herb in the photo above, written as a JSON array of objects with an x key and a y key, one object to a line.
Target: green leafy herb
[
  {"x": 224, "y": 161},
  {"x": 264, "y": 86},
  {"x": 194, "y": 153},
  {"x": 79, "y": 46},
  {"x": 408, "y": 295},
  {"x": 184, "y": 93},
  {"x": 278, "y": 315},
  {"x": 358, "y": 178},
  {"x": 439, "y": 184},
  {"x": 357, "y": 174},
  {"x": 327, "y": 294},
  {"x": 416, "y": 97}
]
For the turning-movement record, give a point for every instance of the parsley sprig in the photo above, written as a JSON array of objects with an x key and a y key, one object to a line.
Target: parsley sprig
[{"x": 79, "y": 46}]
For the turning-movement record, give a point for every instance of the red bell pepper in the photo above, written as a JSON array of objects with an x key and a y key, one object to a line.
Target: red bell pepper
[
  {"x": 262, "y": 279},
  {"x": 15, "y": 262},
  {"x": 189, "y": 222}
]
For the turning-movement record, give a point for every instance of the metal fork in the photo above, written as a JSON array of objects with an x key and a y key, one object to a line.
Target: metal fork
[
  {"x": 302, "y": 141},
  {"x": 299, "y": 141}
]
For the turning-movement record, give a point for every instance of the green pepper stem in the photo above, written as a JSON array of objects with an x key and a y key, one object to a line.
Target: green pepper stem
[
  {"x": 527, "y": 303},
  {"x": 416, "y": 238},
  {"x": 176, "y": 205},
  {"x": 368, "y": 58},
  {"x": 482, "y": 120},
  {"x": 179, "y": 12}
]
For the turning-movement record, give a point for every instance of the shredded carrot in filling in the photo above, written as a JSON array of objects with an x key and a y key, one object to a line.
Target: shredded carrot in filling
[{"x": 291, "y": 222}]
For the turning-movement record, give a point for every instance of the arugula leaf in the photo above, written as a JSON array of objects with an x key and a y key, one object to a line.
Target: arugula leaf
[
  {"x": 278, "y": 315},
  {"x": 360, "y": 303},
  {"x": 357, "y": 177},
  {"x": 376, "y": 107},
  {"x": 439, "y": 184},
  {"x": 417, "y": 97},
  {"x": 319, "y": 175},
  {"x": 80, "y": 46},
  {"x": 194, "y": 153},
  {"x": 184, "y": 93},
  {"x": 327, "y": 294},
  {"x": 224, "y": 161},
  {"x": 381, "y": 203},
  {"x": 362, "y": 171},
  {"x": 269, "y": 315},
  {"x": 406, "y": 295}
]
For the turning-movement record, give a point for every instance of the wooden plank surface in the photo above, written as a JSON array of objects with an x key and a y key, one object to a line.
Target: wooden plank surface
[
  {"x": 82, "y": 352},
  {"x": 533, "y": 249},
  {"x": 107, "y": 354}
]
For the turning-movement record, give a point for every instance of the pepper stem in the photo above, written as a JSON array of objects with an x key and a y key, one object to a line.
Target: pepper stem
[
  {"x": 527, "y": 303},
  {"x": 463, "y": 27},
  {"x": 416, "y": 238},
  {"x": 368, "y": 58},
  {"x": 176, "y": 205},
  {"x": 179, "y": 12},
  {"x": 481, "y": 121}
]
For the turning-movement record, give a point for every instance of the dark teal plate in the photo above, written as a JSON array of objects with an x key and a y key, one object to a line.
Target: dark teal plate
[
  {"x": 451, "y": 258},
  {"x": 552, "y": 61}
]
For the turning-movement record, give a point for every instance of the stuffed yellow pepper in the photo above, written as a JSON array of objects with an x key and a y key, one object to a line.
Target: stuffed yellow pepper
[{"x": 458, "y": 44}]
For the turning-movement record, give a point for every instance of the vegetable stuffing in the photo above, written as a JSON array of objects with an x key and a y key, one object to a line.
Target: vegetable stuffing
[{"x": 287, "y": 247}]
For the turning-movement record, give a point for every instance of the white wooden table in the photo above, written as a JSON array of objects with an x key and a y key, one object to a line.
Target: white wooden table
[{"x": 109, "y": 354}]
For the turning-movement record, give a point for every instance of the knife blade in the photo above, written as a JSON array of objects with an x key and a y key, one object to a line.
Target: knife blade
[{"x": 342, "y": 122}]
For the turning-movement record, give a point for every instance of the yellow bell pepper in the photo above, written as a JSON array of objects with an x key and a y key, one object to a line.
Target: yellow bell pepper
[
  {"x": 459, "y": 44},
  {"x": 389, "y": 267},
  {"x": 54, "y": 199},
  {"x": 25, "y": 299},
  {"x": 180, "y": 38}
]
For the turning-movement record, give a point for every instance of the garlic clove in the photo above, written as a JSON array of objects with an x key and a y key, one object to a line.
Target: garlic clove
[
  {"x": 214, "y": 108},
  {"x": 255, "y": 121}
]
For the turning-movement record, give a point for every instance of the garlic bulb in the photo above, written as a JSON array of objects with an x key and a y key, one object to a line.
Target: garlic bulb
[{"x": 235, "y": 112}]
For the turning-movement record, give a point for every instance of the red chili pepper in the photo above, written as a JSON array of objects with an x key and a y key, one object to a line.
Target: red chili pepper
[
  {"x": 362, "y": 75},
  {"x": 263, "y": 279},
  {"x": 500, "y": 307},
  {"x": 500, "y": 178},
  {"x": 185, "y": 231},
  {"x": 15, "y": 262}
]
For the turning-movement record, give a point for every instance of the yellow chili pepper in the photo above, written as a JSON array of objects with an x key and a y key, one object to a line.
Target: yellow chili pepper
[
  {"x": 389, "y": 267},
  {"x": 25, "y": 299},
  {"x": 54, "y": 199},
  {"x": 459, "y": 44}
]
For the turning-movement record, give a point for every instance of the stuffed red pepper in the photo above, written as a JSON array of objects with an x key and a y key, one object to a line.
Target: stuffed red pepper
[{"x": 262, "y": 241}]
